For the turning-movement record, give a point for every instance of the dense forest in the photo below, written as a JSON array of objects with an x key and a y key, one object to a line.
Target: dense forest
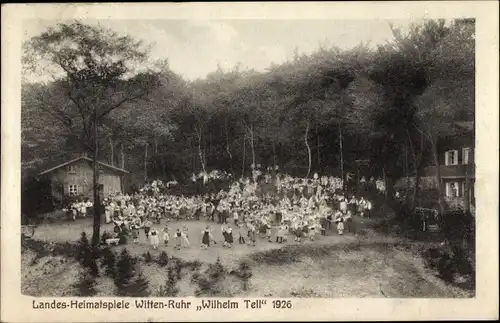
[{"x": 314, "y": 113}]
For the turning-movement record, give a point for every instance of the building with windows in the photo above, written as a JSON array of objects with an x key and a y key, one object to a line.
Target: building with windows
[
  {"x": 456, "y": 159},
  {"x": 75, "y": 177}
]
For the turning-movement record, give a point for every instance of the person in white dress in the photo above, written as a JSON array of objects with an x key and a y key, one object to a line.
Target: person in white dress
[
  {"x": 339, "y": 219},
  {"x": 154, "y": 239}
]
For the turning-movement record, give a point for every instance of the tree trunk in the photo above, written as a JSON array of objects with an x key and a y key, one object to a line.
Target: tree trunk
[
  {"x": 244, "y": 156},
  {"x": 466, "y": 192},
  {"x": 438, "y": 175},
  {"x": 418, "y": 168},
  {"x": 97, "y": 203},
  {"x": 306, "y": 135},
  {"x": 209, "y": 145},
  {"x": 385, "y": 182},
  {"x": 112, "y": 150},
  {"x": 200, "y": 152},
  {"x": 122, "y": 158},
  {"x": 407, "y": 175},
  {"x": 163, "y": 166},
  {"x": 145, "y": 162},
  {"x": 318, "y": 150},
  {"x": 274, "y": 155},
  {"x": 156, "y": 160},
  {"x": 252, "y": 146},
  {"x": 341, "y": 155},
  {"x": 229, "y": 150},
  {"x": 389, "y": 188}
]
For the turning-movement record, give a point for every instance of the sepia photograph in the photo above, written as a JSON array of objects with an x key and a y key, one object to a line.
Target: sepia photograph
[
  {"x": 263, "y": 158},
  {"x": 199, "y": 161}
]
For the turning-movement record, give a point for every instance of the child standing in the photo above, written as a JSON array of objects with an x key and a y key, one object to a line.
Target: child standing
[
  {"x": 281, "y": 234},
  {"x": 135, "y": 233},
  {"x": 229, "y": 236},
  {"x": 154, "y": 239},
  {"x": 339, "y": 219},
  {"x": 268, "y": 232},
  {"x": 178, "y": 239},
  {"x": 166, "y": 235},
  {"x": 184, "y": 237},
  {"x": 251, "y": 233},
  {"x": 205, "y": 238},
  {"x": 223, "y": 230},
  {"x": 348, "y": 222},
  {"x": 241, "y": 235},
  {"x": 147, "y": 227},
  {"x": 235, "y": 218},
  {"x": 312, "y": 231}
]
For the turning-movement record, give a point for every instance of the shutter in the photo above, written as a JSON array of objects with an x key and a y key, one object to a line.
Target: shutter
[
  {"x": 455, "y": 158},
  {"x": 447, "y": 189},
  {"x": 446, "y": 155}
]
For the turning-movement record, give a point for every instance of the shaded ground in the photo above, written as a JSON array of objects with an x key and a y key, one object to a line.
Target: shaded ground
[
  {"x": 70, "y": 232},
  {"x": 367, "y": 265}
]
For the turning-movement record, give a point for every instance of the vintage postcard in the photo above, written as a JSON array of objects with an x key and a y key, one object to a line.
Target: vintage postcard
[{"x": 249, "y": 161}]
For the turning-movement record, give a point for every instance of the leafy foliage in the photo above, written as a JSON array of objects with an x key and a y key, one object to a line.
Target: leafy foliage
[
  {"x": 163, "y": 259},
  {"x": 86, "y": 255},
  {"x": 209, "y": 282},
  {"x": 379, "y": 103},
  {"x": 109, "y": 262},
  {"x": 170, "y": 288}
]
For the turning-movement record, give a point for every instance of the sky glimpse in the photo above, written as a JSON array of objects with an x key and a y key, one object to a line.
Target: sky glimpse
[{"x": 194, "y": 48}]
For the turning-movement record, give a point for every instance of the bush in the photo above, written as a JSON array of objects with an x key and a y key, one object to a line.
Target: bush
[
  {"x": 122, "y": 238},
  {"x": 139, "y": 287},
  {"x": 209, "y": 282},
  {"x": 124, "y": 269},
  {"x": 163, "y": 259},
  {"x": 109, "y": 262},
  {"x": 87, "y": 255},
  {"x": 127, "y": 282},
  {"x": 445, "y": 267},
  {"x": 193, "y": 265},
  {"x": 147, "y": 257},
  {"x": 178, "y": 268},
  {"x": 85, "y": 286},
  {"x": 170, "y": 288},
  {"x": 286, "y": 255},
  {"x": 244, "y": 272},
  {"x": 450, "y": 265},
  {"x": 43, "y": 249},
  {"x": 83, "y": 248}
]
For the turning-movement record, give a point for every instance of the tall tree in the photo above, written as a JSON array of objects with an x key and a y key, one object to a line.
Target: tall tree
[{"x": 95, "y": 69}]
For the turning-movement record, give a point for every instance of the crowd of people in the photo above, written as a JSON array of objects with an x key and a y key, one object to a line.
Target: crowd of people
[
  {"x": 288, "y": 206},
  {"x": 79, "y": 208}
]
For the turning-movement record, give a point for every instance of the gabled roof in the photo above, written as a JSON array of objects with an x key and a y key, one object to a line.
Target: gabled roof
[{"x": 82, "y": 158}]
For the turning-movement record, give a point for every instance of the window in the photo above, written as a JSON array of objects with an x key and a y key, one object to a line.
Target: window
[
  {"x": 452, "y": 190},
  {"x": 451, "y": 157},
  {"x": 73, "y": 189},
  {"x": 71, "y": 169},
  {"x": 465, "y": 156}
]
